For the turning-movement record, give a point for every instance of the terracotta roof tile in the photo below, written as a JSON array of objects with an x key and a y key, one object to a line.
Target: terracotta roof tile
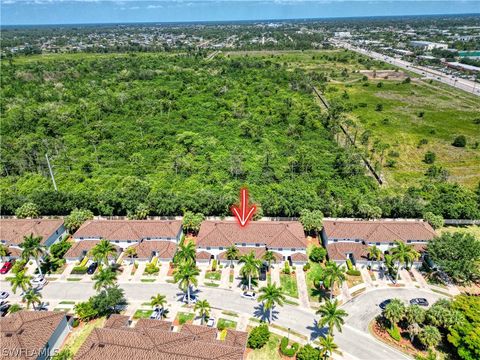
[
  {"x": 299, "y": 257},
  {"x": 203, "y": 255},
  {"x": 134, "y": 230},
  {"x": 82, "y": 247},
  {"x": 339, "y": 250},
  {"x": 273, "y": 234},
  {"x": 165, "y": 249},
  {"x": 116, "y": 321},
  {"x": 155, "y": 324},
  {"x": 12, "y": 231},
  {"x": 259, "y": 252}
]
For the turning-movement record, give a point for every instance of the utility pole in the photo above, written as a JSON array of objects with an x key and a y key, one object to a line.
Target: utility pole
[{"x": 51, "y": 173}]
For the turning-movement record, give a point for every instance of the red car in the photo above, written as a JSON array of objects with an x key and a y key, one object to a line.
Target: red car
[{"x": 6, "y": 267}]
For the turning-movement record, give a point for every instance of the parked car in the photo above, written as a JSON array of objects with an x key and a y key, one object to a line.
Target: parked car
[
  {"x": 249, "y": 295},
  {"x": 157, "y": 314},
  {"x": 4, "y": 294},
  {"x": 92, "y": 267},
  {"x": 211, "y": 322},
  {"x": 193, "y": 299},
  {"x": 419, "y": 301},
  {"x": 38, "y": 282},
  {"x": 6, "y": 267},
  {"x": 384, "y": 303}
]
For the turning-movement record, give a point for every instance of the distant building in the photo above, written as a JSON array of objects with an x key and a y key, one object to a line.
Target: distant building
[
  {"x": 343, "y": 34},
  {"x": 427, "y": 45},
  {"x": 463, "y": 67}
]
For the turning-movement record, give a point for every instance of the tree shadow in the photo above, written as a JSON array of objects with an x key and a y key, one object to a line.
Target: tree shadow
[
  {"x": 317, "y": 331},
  {"x": 243, "y": 283},
  {"x": 320, "y": 293},
  {"x": 263, "y": 314}
]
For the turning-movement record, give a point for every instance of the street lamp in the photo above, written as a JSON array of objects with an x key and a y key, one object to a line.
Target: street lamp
[{"x": 288, "y": 337}]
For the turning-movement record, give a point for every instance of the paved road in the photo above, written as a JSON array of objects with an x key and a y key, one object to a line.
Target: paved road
[
  {"x": 354, "y": 340},
  {"x": 466, "y": 85}
]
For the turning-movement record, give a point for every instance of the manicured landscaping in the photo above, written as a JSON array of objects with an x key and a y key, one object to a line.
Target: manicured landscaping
[
  {"x": 226, "y": 324},
  {"x": 353, "y": 280},
  {"x": 142, "y": 314},
  {"x": 211, "y": 284},
  {"x": 229, "y": 313},
  {"x": 79, "y": 334},
  {"x": 289, "y": 285},
  {"x": 147, "y": 280},
  {"x": 183, "y": 318},
  {"x": 213, "y": 275},
  {"x": 67, "y": 302},
  {"x": 74, "y": 279},
  {"x": 267, "y": 352}
]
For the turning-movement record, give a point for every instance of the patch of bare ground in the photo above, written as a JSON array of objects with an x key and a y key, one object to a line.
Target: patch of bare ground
[{"x": 384, "y": 74}]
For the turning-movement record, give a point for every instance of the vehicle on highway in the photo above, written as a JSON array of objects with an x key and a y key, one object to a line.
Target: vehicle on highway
[
  {"x": 211, "y": 322},
  {"x": 92, "y": 267},
  {"x": 384, "y": 303},
  {"x": 4, "y": 294},
  {"x": 193, "y": 299},
  {"x": 6, "y": 267},
  {"x": 157, "y": 314},
  {"x": 419, "y": 301},
  {"x": 249, "y": 295}
]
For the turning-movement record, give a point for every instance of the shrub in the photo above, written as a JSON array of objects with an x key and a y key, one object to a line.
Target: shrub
[
  {"x": 27, "y": 210},
  {"x": 429, "y": 157},
  {"x": 214, "y": 265},
  {"x": 306, "y": 267},
  {"x": 349, "y": 264},
  {"x": 460, "y": 141},
  {"x": 436, "y": 221},
  {"x": 75, "y": 322},
  {"x": 84, "y": 261},
  {"x": 394, "y": 333},
  {"x": 380, "y": 84},
  {"x": 286, "y": 269},
  {"x": 151, "y": 269},
  {"x": 258, "y": 337},
  {"x": 379, "y": 107},
  {"x": 288, "y": 350},
  {"x": 353, "y": 272},
  {"x": 317, "y": 254},
  {"x": 308, "y": 352},
  {"x": 79, "y": 270},
  {"x": 422, "y": 142},
  {"x": 59, "y": 249}
]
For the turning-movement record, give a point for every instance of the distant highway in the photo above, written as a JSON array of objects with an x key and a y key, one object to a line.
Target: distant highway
[{"x": 466, "y": 85}]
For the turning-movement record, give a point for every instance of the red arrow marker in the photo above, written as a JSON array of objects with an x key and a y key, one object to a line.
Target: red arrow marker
[{"x": 243, "y": 213}]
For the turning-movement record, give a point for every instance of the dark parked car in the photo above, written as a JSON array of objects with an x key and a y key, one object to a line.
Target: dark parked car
[
  {"x": 384, "y": 303},
  {"x": 91, "y": 269},
  {"x": 6, "y": 267},
  {"x": 419, "y": 301}
]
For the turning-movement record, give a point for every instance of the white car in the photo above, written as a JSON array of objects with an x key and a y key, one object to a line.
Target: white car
[
  {"x": 211, "y": 322},
  {"x": 38, "y": 282},
  {"x": 249, "y": 295},
  {"x": 4, "y": 294}
]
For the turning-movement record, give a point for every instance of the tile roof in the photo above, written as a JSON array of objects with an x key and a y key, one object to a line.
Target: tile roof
[
  {"x": 79, "y": 248},
  {"x": 378, "y": 230},
  {"x": 28, "y": 331},
  {"x": 14, "y": 252},
  {"x": 338, "y": 251},
  {"x": 152, "y": 342},
  {"x": 165, "y": 249},
  {"x": 203, "y": 255},
  {"x": 134, "y": 230},
  {"x": 273, "y": 234},
  {"x": 12, "y": 231},
  {"x": 116, "y": 321},
  {"x": 299, "y": 257},
  {"x": 259, "y": 252},
  {"x": 154, "y": 324}
]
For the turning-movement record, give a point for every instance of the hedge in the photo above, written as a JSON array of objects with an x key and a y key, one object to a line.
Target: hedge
[
  {"x": 288, "y": 350},
  {"x": 349, "y": 264},
  {"x": 394, "y": 333},
  {"x": 79, "y": 270},
  {"x": 353, "y": 272},
  {"x": 258, "y": 337}
]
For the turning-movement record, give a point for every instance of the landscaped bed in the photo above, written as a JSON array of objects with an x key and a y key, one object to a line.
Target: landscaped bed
[
  {"x": 226, "y": 324},
  {"x": 289, "y": 285},
  {"x": 353, "y": 280},
  {"x": 79, "y": 334},
  {"x": 183, "y": 318},
  {"x": 213, "y": 275},
  {"x": 142, "y": 314}
]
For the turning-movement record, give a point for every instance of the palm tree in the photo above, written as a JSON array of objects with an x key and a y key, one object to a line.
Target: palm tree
[
  {"x": 232, "y": 254},
  {"x": 203, "y": 308},
  {"x": 403, "y": 254},
  {"x": 332, "y": 316},
  {"x": 158, "y": 301},
  {"x": 430, "y": 336},
  {"x": 328, "y": 346},
  {"x": 414, "y": 315},
  {"x": 271, "y": 295},
  {"x": 186, "y": 275},
  {"x": 105, "y": 278},
  {"x": 250, "y": 267},
  {"x": 186, "y": 252},
  {"x": 269, "y": 257},
  {"x": 103, "y": 250},
  {"x": 394, "y": 312},
  {"x": 374, "y": 253},
  {"x": 32, "y": 297},
  {"x": 3, "y": 251},
  {"x": 131, "y": 252},
  {"x": 333, "y": 274},
  {"x": 14, "y": 308},
  {"x": 20, "y": 280},
  {"x": 32, "y": 247}
]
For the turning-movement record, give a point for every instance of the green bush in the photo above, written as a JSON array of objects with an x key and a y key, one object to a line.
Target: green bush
[
  {"x": 306, "y": 267},
  {"x": 59, "y": 249},
  {"x": 75, "y": 322},
  {"x": 151, "y": 269},
  {"x": 288, "y": 350},
  {"x": 258, "y": 337},
  {"x": 214, "y": 265},
  {"x": 308, "y": 352},
  {"x": 460, "y": 141},
  {"x": 394, "y": 333},
  {"x": 349, "y": 264},
  {"x": 429, "y": 157},
  {"x": 317, "y": 254},
  {"x": 286, "y": 269},
  {"x": 353, "y": 272},
  {"x": 79, "y": 270}
]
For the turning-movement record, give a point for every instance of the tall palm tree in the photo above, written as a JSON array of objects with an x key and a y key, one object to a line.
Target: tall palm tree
[
  {"x": 32, "y": 297},
  {"x": 269, "y": 257},
  {"x": 414, "y": 315},
  {"x": 203, "y": 308},
  {"x": 131, "y": 252},
  {"x": 186, "y": 252},
  {"x": 334, "y": 274},
  {"x": 394, "y": 312},
  {"x": 374, "y": 253},
  {"x": 105, "y": 278},
  {"x": 186, "y": 275},
  {"x": 20, "y": 280},
  {"x": 271, "y": 295},
  {"x": 158, "y": 301},
  {"x": 103, "y": 250},
  {"x": 3, "y": 251},
  {"x": 430, "y": 336},
  {"x": 232, "y": 254},
  {"x": 332, "y": 316},
  {"x": 403, "y": 254},
  {"x": 328, "y": 346},
  {"x": 32, "y": 247},
  {"x": 250, "y": 267}
]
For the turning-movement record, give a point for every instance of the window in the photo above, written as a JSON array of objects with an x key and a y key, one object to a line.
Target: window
[
  {"x": 335, "y": 240},
  {"x": 244, "y": 244},
  {"x": 257, "y": 245},
  {"x": 356, "y": 240},
  {"x": 220, "y": 248},
  {"x": 293, "y": 249},
  {"x": 378, "y": 244},
  {"x": 409, "y": 241},
  {"x": 208, "y": 247}
]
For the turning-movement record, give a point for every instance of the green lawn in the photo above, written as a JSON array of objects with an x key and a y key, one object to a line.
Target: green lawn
[
  {"x": 289, "y": 285},
  {"x": 211, "y": 284},
  {"x": 68, "y": 302},
  {"x": 268, "y": 352},
  {"x": 142, "y": 314},
  {"x": 213, "y": 275},
  {"x": 226, "y": 324},
  {"x": 183, "y": 317},
  {"x": 147, "y": 280},
  {"x": 229, "y": 313},
  {"x": 79, "y": 334},
  {"x": 74, "y": 279}
]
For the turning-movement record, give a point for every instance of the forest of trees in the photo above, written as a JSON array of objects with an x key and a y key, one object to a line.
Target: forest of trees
[{"x": 174, "y": 133}]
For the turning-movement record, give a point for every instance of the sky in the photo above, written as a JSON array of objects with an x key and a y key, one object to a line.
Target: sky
[{"x": 36, "y": 12}]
